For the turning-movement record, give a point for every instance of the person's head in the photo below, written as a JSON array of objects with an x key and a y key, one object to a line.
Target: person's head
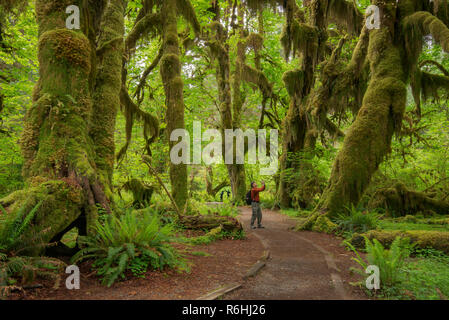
[{"x": 253, "y": 184}]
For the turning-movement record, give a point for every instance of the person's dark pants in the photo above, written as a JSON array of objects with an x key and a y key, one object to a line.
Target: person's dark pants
[{"x": 257, "y": 213}]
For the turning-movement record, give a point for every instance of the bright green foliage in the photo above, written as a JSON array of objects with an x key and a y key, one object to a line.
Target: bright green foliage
[
  {"x": 133, "y": 241},
  {"x": 356, "y": 220},
  {"x": 13, "y": 264},
  {"x": 12, "y": 227},
  {"x": 214, "y": 235},
  {"x": 390, "y": 261},
  {"x": 426, "y": 277}
]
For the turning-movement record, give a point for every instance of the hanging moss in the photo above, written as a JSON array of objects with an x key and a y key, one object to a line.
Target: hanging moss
[
  {"x": 186, "y": 10},
  {"x": 294, "y": 81},
  {"x": 345, "y": 14},
  {"x": 302, "y": 38},
  {"x": 369, "y": 138},
  {"x": 141, "y": 193}
]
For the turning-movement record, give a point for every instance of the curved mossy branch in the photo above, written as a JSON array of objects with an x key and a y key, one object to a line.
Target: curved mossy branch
[
  {"x": 186, "y": 9},
  {"x": 133, "y": 112},
  {"x": 333, "y": 129},
  {"x": 146, "y": 73},
  {"x": 258, "y": 78},
  {"x": 150, "y": 24},
  {"x": 418, "y": 25},
  {"x": 436, "y": 64}
]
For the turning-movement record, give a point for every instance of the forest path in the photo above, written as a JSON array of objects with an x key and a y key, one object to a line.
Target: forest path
[{"x": 302, "y": 265}]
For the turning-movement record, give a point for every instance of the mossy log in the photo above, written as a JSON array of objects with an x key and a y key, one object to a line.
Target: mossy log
[
  {"x": 208, "y": 222},
  {"x": 438, "y": 240},
  {"x": 399, "y": 200}
]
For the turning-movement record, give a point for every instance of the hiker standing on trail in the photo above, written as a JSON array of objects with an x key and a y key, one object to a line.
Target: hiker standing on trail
[{"x": 255, "y": 204}]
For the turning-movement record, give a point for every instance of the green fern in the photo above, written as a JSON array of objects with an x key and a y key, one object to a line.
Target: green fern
[
  {"x": 390, "y": 261},
  {"x": 356, "y": 220},
  {"x": 131, "y": 240},
  {"x": 14, "y": 226}
]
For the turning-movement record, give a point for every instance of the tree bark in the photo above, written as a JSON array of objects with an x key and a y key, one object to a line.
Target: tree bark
[
  {"x": 173, "y": 85},
  {"x": 369, "y": 138},
  {"x": 108, "y": 82},
  {"x": 60, "y": 155}
]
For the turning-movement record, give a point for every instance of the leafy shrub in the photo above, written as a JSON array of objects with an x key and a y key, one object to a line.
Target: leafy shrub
[
  {"x": 357, "y": 221},
  {"x": 223, "y": 209},
  {"x": 269, "y": 201},
  {"x": 216, "y": 234},
  {"x": 226, "y": 210},
  {"x": 134, "y": 242},
  {"x": 13, "y": 226},
  {"x": 390, "y": 261}
]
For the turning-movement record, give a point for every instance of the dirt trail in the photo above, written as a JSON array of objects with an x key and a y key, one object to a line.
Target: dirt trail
[{"x": 302, "y": 265}]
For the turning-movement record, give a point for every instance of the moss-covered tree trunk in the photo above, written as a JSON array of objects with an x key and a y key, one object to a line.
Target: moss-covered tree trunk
[
  {"x": 108, "y": 82},
  {"x": 230, "y": 98},
  {"x": 60, "y": 155},
  {"x": 173, "y": 85},
  {"x": 299, "y": 83},
  {"x": 236, "y": 171},
  {"x": 369, "y": 139}
]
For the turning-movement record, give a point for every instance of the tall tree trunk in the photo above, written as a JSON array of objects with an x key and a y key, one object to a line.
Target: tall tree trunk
[
  {"x": 369, "y": 139},
  {"x": 108, "y": 83},
  {"x": 173, "y": 85},
  {"x": 60, "y": 155},
  {"x": 230, "y": 99}
]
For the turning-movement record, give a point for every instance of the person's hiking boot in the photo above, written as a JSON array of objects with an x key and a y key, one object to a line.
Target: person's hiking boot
[
  {"x": 260, "y": 226},
  {"x": 253, "y": 227}
]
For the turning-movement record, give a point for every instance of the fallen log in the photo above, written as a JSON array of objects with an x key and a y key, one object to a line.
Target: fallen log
[
  {"x": 438, "y": 240},
  {"x": 208, "y": 222}
]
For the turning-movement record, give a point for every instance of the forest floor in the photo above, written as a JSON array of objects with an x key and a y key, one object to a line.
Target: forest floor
[{"x": 302, "y": 265}]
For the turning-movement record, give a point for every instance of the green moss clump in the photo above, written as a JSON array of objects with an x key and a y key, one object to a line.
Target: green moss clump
[
  {"x": 65, "y": 46},
  {"x": 324, "y": 224}
]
